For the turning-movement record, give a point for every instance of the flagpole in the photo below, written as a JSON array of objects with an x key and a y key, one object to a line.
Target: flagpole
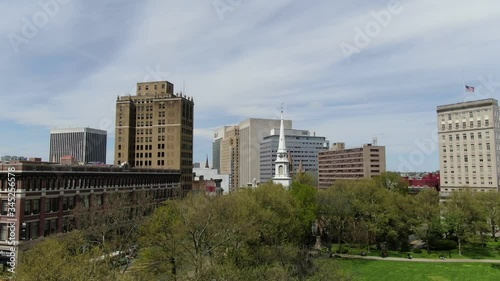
[{"x": 463, "y": 84}]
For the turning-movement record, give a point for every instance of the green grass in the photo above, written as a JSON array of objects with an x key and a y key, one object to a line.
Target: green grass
[
  {"x": 491, "y": 251},
  {"x": 365, "y": 270}
]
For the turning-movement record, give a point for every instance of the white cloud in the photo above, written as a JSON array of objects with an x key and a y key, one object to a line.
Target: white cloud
[{"x": 262, "y": 54}]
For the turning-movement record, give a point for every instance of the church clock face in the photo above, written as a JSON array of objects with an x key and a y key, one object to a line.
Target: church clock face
[{"x": 281, "y": 155}]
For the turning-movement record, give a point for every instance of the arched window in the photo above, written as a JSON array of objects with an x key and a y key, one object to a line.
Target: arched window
[{"x": 280, "y": 170}]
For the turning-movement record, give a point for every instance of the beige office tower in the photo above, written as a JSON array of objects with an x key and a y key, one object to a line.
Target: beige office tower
[
  {"x": 154, "y": 129},
  {"x": 469, "y": 153},
  {"x": 229, "y": 156},
  {"x": 252, "y": 132}
]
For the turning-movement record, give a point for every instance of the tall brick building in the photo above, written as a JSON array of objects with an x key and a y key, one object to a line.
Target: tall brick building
[{"x": 154, "y": 129}]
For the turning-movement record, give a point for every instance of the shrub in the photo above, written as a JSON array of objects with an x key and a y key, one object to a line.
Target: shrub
[
  {"x": 443, "y": 245},
  {"x": 417, "y": 251}
]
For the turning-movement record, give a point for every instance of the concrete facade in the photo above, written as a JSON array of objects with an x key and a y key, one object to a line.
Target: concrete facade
[
  {"x": 154, "y": 129},
  {"x": 355, "y": 163},
  {"x": 469, "y": 146},
  {"x": 252, "y": 132},
  {"x": 229, "y": 156}
]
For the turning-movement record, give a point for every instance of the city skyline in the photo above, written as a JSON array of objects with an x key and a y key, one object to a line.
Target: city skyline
[{"x": 254, "y": 56}]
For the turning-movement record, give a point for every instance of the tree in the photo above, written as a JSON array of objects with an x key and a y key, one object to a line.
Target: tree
[
  {"x": 393, "y": 181},
  {"x": 490, "y": 204},
  {"x": 427, "y": 211},
  {"x": 461, "y": 212},
  {"x": 64, "y": 257}
]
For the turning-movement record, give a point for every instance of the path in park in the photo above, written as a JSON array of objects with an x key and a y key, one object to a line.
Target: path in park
[{"x": 418, "y": 259}]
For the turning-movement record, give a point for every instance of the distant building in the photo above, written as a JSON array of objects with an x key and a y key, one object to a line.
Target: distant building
[
  {"x": 196, "y": 165},
  {"x": 68, "y": 160},
  {"x": 154, "y": 129},
  {"x": 302, "y": 147},
  {"x": 35, "y": 159},
  {"x": 355, "y": 163},
  {"x": 239, "y": 149},
  {"x": 212, "y": 174},
  {"x": 252, "y": 132},
  {"x": 85, "y": 144},
  {"x": 426, "y": 181},
  {"x": 217, "y": 147},
  {"x": 7, "y": 158},
  {"x": 229, "y": 156},
  {"x": 207, "y": 186},
  {"x": 469, "y": 139}
]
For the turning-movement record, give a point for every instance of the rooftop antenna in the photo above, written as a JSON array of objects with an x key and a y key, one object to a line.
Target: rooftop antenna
[
  {"x": 184, "y": 86},
  {"x": 375, "y": 140}
]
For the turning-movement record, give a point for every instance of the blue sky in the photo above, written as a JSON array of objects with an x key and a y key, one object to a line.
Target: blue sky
[{"x": 63, "y": 65}]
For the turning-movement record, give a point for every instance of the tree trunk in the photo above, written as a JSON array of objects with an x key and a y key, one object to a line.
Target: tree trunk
[
  {"x": 459, "y": 246},
  {"x": 427, "y": 234}
]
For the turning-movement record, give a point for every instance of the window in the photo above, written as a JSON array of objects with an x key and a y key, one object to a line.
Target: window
[
  {"x": 479, "y": 123},
  {"x": 36, "y": 206},
  {"x": 464, "y": 136},
  {"x": 5, "y": 207},
  {"x": 486, "y": 122},
  {"x": 470, "y": 114},
  {"x": 4, "y": 232},
  {"x": 27, "y": 207},
  {"x": 34, "y": 229},
  {"x": 46, "y": 228}
]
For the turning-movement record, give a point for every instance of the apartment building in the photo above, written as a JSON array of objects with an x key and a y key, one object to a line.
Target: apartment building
[
  {"x": 154, "y": 129},
  {"x": 337, "y": 163},
  {"x": 469, "y": 147}
]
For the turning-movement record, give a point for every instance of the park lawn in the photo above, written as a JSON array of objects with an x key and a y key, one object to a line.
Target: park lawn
[
  {"x": 491, "y": 251},
  {"x": 365, "y": 270}
]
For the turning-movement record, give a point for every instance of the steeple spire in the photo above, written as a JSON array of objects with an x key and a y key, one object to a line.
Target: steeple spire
[
  {"x": 206, "y": 164},
  {"x": 281, "y": 166}
]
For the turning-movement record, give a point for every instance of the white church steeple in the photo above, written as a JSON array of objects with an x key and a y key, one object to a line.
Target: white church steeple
[{"x": 281, "y": 166}]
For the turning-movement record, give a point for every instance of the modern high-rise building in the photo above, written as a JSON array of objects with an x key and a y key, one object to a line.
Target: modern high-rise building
[
  {"x": 85, "y": 144},
  {"x": 302, "y": 147},
  {"x": 154, "y": 129},
  {"x": 216, "y": 147},
  {"x": 337, "y": 163},
  {"x": 469, "y": 146},
  {"x": 229, "y": 156},
  {"x": 252, "y": 132}
]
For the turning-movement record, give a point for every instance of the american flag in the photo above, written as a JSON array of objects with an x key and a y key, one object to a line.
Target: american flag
[{"x": 469, "y": 89}]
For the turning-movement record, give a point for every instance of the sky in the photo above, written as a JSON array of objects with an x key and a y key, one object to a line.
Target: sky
[{"x": 347, "y": 70}]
